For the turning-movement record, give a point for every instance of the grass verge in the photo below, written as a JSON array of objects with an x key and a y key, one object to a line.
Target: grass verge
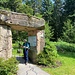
[{"x": 67, "y": 67}]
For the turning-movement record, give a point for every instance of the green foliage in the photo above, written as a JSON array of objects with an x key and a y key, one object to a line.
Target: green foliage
[
  {"x": 64, "y": 46},
  {"x": 8, "y": 67},
  {"x": 48, "y": 56},
  {"x": 69, "y": 7},
  {"x": 14, "y": 4},
  {"x": 20, "y": 35},
  {"x": 57, "y": 16},
  {"x": 23, "y": 8},
  {"x": 48, "y": 10},
  {"x": 16, "y": 47},
  {"x": 36, "y": 5},
  {"x": 55, "y": 12},
  {"x": 10, "y": 4},
  {"x": 48, "y": 31},
  {"x": 69, "y": 32},
  {"x": 2, "y": 1},
  {"x": 38, "y": 15}
]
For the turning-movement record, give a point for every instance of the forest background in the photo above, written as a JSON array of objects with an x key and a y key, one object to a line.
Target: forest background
[{"x": 58, "y": 14}]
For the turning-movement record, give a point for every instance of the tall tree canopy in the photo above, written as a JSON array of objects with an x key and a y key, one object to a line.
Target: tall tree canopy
[
  {"x": 57, "y": 15},
  {"x": 69, "y": 32},
  {"x": 55, "y": 12}
]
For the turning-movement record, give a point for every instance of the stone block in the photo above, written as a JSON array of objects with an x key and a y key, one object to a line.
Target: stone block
[{"x": 5, "y": 42}]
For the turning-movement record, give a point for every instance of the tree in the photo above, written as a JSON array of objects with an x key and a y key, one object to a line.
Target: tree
[
  {"x": 14, "y": 4},
  {"x": 47, "y": 9},
  {"x": 34, "y": 4},
  {"x": 20, "y": 35},
  {"x": 18, "y": 6},
  {"x": 11, "y": 4},
  {"x": 68, "y": 32},
  {"x": 48, "y": 31},
  {"x": 23, "y": 8},
  {"x": 57, "y": 18},
  {"x": 69, "y": 7},
  {"x": 3, "y": 4},
  {"x": 69, "y": 18}
]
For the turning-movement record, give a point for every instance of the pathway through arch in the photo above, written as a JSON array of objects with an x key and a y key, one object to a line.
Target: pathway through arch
[{"x": 29, "y": 69}]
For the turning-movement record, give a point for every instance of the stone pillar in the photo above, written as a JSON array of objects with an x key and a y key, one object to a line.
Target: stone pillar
[
  {"x": 5, "y": 42},
  {"x": 32, "y": 38},
  {"x": 36, "y": 39},
  {"x": 40, "y": 41},
  {"x": 9, "y": 42}
]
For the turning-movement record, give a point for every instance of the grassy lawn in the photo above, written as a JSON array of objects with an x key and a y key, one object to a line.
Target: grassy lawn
[{"x": 68, "y": 65}]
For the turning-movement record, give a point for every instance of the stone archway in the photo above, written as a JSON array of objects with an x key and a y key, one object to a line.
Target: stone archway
[{"x": 18, "y": 21}]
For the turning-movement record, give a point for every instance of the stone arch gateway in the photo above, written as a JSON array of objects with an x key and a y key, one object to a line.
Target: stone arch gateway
[{"x": 19, "y": 21}]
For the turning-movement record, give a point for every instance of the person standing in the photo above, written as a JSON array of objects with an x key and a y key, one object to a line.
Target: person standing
[{"x": 26, "y": 47}]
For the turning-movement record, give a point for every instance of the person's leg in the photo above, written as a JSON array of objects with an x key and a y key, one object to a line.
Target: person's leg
[
  {"x": 24, "y": 53},
  {"x": 26, "y": 56}
]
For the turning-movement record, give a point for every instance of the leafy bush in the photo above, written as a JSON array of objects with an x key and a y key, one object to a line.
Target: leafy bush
[
  {"x": 25, "y": 9},
  {"x": 64, "y": 46},
  {"x": 49, "y": 55},
  {"x": 48, "y": 31},
  {"x": 38, "y": 15},
  {"x": 8, "y": 67}
]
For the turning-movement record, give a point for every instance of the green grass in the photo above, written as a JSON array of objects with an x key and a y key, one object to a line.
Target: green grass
[{"x": 67, "y": 67}]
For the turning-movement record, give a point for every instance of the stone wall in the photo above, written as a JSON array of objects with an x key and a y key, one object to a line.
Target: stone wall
[{"x": 5, "y": 42}]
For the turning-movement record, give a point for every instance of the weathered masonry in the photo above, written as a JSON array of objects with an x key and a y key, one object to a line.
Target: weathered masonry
[{"x": 18, "y": 21}]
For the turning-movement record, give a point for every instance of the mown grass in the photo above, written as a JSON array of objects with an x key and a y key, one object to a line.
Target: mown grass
[{"x": 67, "y": 67}]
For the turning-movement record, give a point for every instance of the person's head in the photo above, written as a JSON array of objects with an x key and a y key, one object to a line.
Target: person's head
[{"x": 25, "y": 40}]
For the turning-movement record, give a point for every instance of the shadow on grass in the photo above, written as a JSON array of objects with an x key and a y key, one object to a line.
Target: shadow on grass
[{"x": 67, "y": 54}]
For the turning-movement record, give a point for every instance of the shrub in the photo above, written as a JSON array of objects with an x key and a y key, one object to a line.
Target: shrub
[
  {"x": 25, "y": 9},
  {"x": 64, "y": 46},
  {"x": 49, "y": 55},
  {"x": 38, "y": 15},
  {"x": 8, "y": 67}
]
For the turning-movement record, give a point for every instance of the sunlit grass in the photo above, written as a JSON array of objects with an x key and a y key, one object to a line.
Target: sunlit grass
[{"x": 67, "y": 67}]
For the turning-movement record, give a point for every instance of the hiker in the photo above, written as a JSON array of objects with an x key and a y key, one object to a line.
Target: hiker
[{"x": 26, "y": 47}]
